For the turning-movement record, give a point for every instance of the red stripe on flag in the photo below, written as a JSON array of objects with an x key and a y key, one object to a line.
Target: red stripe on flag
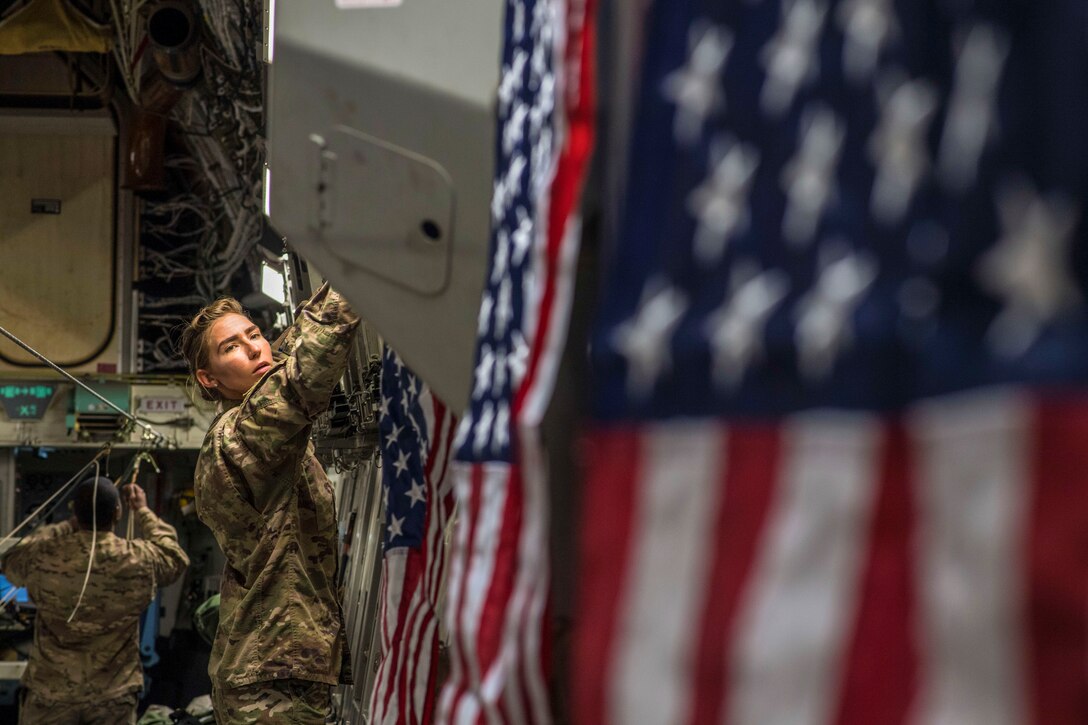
[
  {"x": 493, "y": 618},
  {"x": 413, "y": 572},
  {"x": 1057, "y": 558},
  {"x": 469, "y": 518},
  {"x": 749, "y": 483},
  {"x": 608, "y": 510},
  {"x": 880, "y": 677},
  {"x": 413, "y": 606}
]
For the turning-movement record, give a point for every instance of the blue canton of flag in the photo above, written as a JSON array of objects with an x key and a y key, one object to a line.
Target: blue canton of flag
[
  {"x": 405, "y": 441},
  {"x": 525, "y": 164},
  {"x": 829, "y": 205}
]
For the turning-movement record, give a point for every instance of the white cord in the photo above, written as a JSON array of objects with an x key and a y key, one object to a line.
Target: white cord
[
  {"x": 94, "y": 539},
  {"x": 49, "y": 500},
  {"x": 9, "y": 596}
]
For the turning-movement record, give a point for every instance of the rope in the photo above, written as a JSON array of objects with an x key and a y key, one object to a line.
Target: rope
[
  {"x": 9, "y": 596},
  {"x": 94, "y": 540},
  {"x": 157, "y": 437},
  {"x": 63, "y": 489},
  {"x": 130, "y": 526}
]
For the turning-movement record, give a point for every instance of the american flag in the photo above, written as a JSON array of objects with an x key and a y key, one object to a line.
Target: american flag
[
  {"x": 416, "y": 434},
  {"x": 499, "y": 582},
  {"x": 838, "y": 468}
]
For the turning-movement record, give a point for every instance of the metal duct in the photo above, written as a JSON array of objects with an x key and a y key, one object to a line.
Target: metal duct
[{"x": 173, "y": 33}]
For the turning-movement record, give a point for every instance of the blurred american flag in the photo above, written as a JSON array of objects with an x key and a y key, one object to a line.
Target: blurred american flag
[{"x": 838, "y": 470}]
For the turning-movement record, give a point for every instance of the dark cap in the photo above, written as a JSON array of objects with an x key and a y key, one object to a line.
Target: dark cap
[{"x": 86, "y": 505}]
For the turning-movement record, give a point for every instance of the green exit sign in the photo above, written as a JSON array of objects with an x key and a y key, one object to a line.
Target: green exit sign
[{"x": 23, "y": 401}]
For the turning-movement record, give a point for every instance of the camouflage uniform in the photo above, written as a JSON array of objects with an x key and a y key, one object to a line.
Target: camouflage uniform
[
  {"x": 300, "y": 702},
  {"x": 95, "y": 658},
  {"x": 267, "y": 500},
  {"x": 119, "y": 711}
]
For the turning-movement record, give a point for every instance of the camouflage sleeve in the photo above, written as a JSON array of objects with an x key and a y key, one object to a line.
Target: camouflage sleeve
[
  {"x": 286, "y": 401},
  {"x": 19, "y": 564},
  {"x": 159, "y": 545}
]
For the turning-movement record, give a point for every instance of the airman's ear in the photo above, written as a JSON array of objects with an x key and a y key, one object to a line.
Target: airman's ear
[{"x": 206, "y": 379}]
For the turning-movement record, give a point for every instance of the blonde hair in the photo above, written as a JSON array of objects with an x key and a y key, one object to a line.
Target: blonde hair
[{"x": 193, "y": 343}]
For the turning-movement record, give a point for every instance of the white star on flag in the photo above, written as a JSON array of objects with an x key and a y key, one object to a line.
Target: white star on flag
[
  {"x": 401, "y": 464},
  {"x": 898, "y": 145},
  {"x": 543, "y": 164},
  {"x": 522, "y": 237},
  {"x": 790, "y": 56},
  {"x": 395, "y": 524},
  {"x": 808, "y": 179},
  {"x": 483, "y": 427},
  {"x": 513, "y": 130},
  {"x": 518, "y": 26},
  {"x": 970, "y": 121},
  {"x": 867, "y": 27},
  {"x": 483, "y": 372},
  {"x": 542, "y": 109},
  {"x": 735, "y": 330},
  {"x": 512, "y": 79},
  {"x": 483, "y": 322},
  {"x": 823, "y": 326},
  {"x": 518, "y": 360},
  {"x": 501, "y": 437},
  {"x": 393, "y": 436},
  {"x": 644, "y": 339},
  {"x": 1027, "y": 267},
  {"x": 507, "y": 187},
  {"x": 720, "y": 204},
  {"x": 695, "y": 88},
  {"x": 415, "y": 493}
]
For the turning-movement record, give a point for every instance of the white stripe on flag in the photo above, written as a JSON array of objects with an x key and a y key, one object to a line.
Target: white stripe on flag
[
  {"x": 395, "y": 562},
  {"x": 422, "y": 666},
  {"x": 460, "y": 475},
  {"x": 518, "y": 656},
  {"x": 481, "y": 564},
  {"x": 540, "y": 393},
  {"x": 794, "y": 620},
  {"x": 676, "y": 508},
  {"x": 536, "y": 569},
  {"x": 426, "y": 405},
  {"x": 973, "y": 488},
  {"x": 419, "y": 613}
]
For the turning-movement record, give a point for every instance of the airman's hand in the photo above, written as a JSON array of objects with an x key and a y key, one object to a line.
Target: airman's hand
[{"x": 135, "y": 497}]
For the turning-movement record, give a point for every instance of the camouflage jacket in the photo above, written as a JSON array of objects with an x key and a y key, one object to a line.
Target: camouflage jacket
[
  {"x": 267, "y": 500},
  {"x": 97, "y": 655}
]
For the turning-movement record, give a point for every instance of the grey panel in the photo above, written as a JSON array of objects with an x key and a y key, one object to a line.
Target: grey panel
[{"x": 381, "y": 147}]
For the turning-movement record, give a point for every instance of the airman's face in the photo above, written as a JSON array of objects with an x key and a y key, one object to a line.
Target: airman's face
[{"x": 238, "y": 355}]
